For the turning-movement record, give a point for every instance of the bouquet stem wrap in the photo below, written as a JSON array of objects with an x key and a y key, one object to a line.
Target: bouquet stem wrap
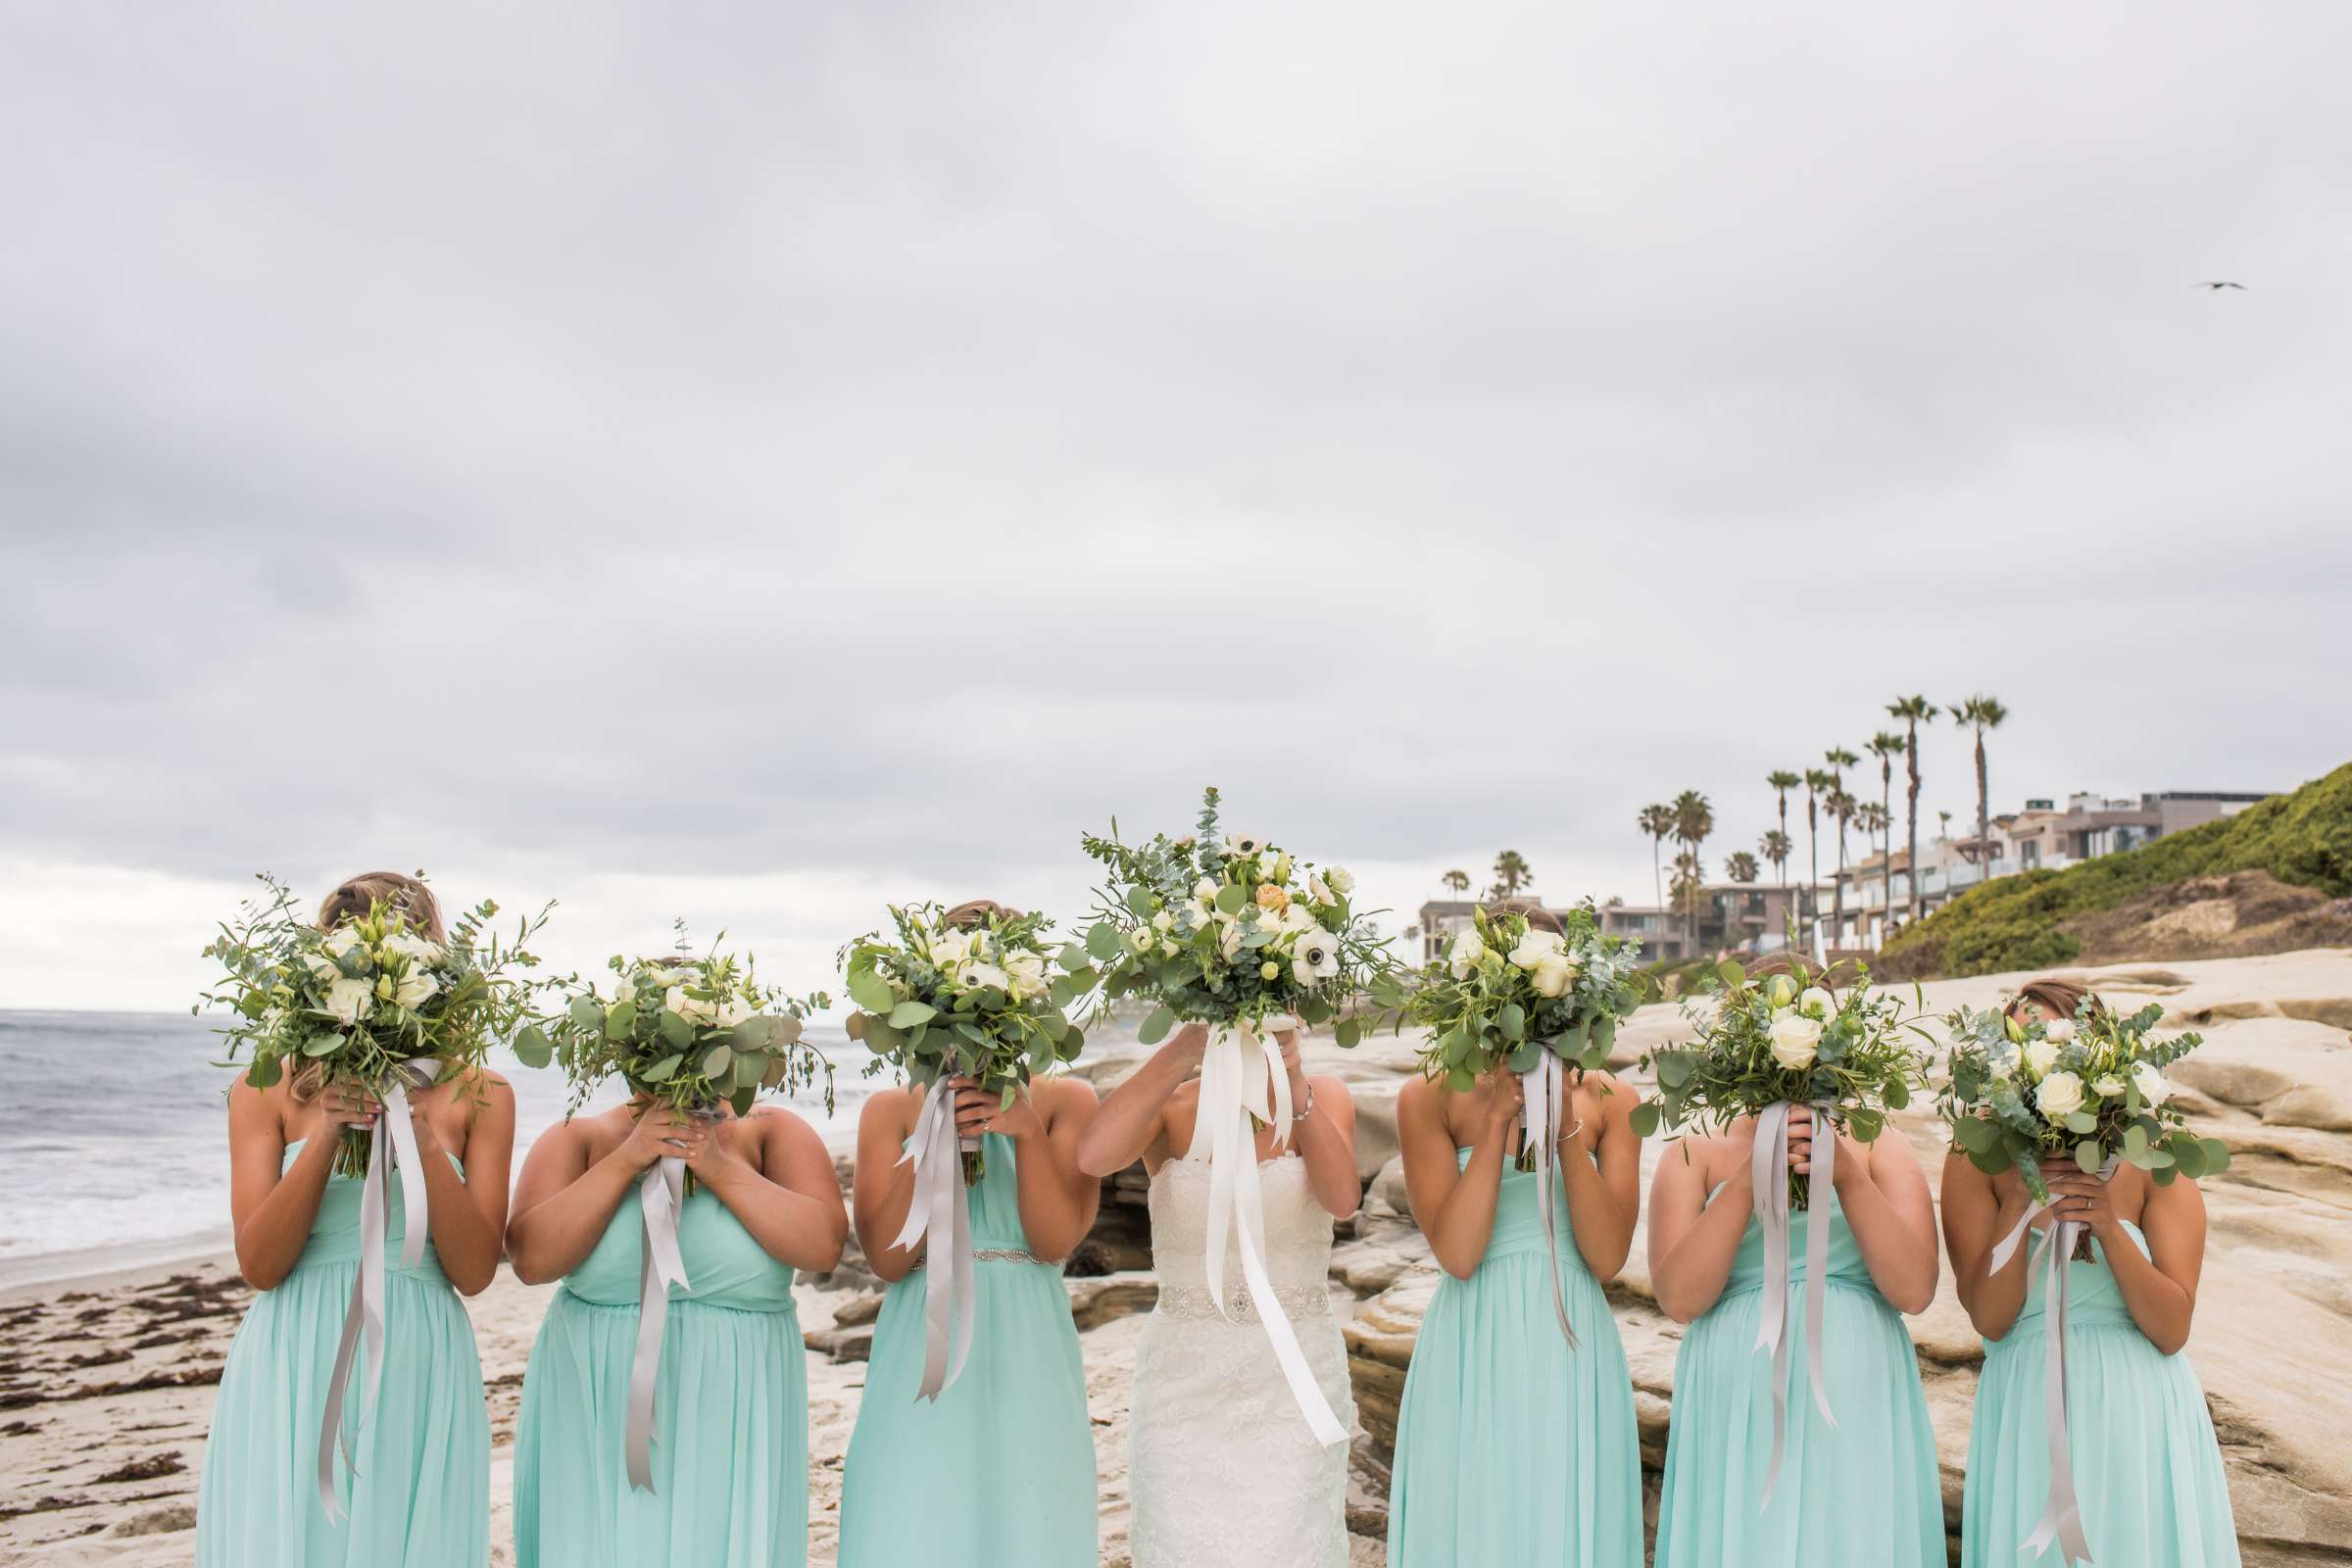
[
  {"x": 1242, "y": 1075},
  {"x": 364, "y": 1319},
  {"x": 940, "y": 1216},
  {"x": 1769, "y": 1176},
  {"x": 660, "y": 1194},
  {"x": 1545, "y": 1087},
  {"x": 2061, "y": 1510}
]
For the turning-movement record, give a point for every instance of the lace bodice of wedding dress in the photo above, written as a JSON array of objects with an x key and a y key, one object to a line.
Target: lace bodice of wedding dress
[{"x": 1221, "y": 1467}]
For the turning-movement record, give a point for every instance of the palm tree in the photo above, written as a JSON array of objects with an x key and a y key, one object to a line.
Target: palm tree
[
  {"x": 1774, "y": 845},
  {"x": 1686, "y": 890},
  {"x": 1511, "y": 873},
  {"x": 1872, "y": 818},
  {"x": 1817, "y": 783},
  {"x": 1456, "y": 883},
  {"x": 1841, "y": 807},
  {"x": 1658, "y": 822},
  {"x": 1740, "y": 867},
  {"x": 1782, "y": 782},
  {"x": 1913, "y": 711},
  {"x": 1887, "y": 747},
  {"x": 1980, "y": 714},
  {"x": 1943, "y": 824},
  {"x": 1839, "y": 759},
  {"x": 1694, "y": 820}
]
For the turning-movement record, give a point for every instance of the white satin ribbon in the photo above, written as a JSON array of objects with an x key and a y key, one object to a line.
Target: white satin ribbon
[
  {"x": 940, "y": 1216},
  {"x": 1545, "y": 1090},
  {"x": 2061, "y": 1509},
  {"x": 1242, "y": 1075},
  {"x": 363, "y": 1318},
  {"x": 1768, "y": 1175},
  {"x": 660, "y": 1198}
]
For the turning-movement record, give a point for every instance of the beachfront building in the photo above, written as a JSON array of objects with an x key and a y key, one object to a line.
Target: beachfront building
[{"x": 1733, "y": 917}]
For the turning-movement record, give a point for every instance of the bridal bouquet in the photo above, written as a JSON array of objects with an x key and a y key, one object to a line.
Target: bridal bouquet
[
  {"x": 691, "y": 1032},
  {"x": 943, "y": 1001},
  {"x": 1771, "y": 1041},
  {"x": 1228, "y": 930},
  {"x": 2091, "y": 1086},
  {"x": 1507, "y": 991},
  {"x": 365, "y": 999}
]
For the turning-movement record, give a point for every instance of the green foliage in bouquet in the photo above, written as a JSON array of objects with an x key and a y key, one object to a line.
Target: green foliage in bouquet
[
  {"x": 2091, "y": 1086},
  {"x": 944, "y": 1000},
  {"x": 1769, "y": 1039},
  {"x": 1225, "y": 929},
  {"x": 691, "y": 1032},
  {"x": 1506, "y": 991},
  {"x": 362, "y": 998}
]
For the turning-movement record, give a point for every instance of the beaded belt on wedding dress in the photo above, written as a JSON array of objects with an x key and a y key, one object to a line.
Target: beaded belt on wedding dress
[
  {"x": 1195, "y": 1301},
  {"x": 997, "y": 1254}
]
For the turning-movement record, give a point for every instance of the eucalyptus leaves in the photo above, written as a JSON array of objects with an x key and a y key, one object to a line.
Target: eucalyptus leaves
[
  {"x": 2091, "y": 1086},
  {"x": 1228, "y": 929},
  {"x": 977, "y": 999},
  {"x": 1770, "y": 1039},
  {"x": 365, "y": 997}
]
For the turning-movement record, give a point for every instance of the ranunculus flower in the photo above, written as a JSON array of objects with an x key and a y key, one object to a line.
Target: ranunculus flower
[
  {"x": 1534, "y": 948},
  {"x": 2059, "y": 1096},
  {"x": 348, "y": 1000},
  {"x": 1553, "y": 976},
  {"x": 1468, "y": 949},
  {"x": 2154, "y": 1087},
  {"x": 2040, "y": 1055},
  {"x": 1270, "y": 897},
  {"x": 1795, "y": 1041}
]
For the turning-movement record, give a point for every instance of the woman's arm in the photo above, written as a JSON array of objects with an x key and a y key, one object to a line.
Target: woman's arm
[
  {"x": 883, "y": 1185},
  {"x": 1604, "y": 1199},
  {"x": 1455, "y": 1203},
  {"x": 1325, "y": 1137},
  {"x": 1885, "y": 1197},
  {"x": 2160, "y": 1290},
  {"x": 468, "y": 1212},
  {"x": 1978, "y": 1210},
  {"x": 791, "y": 1201},
  {"x": 1058, "y": 1200},
  {"x": 272, "y": 1204},
  {"x": 1128, "y": 1124},
  {"x": 1692, "y": 1241},
  {"x": 564, "y": 1200}
]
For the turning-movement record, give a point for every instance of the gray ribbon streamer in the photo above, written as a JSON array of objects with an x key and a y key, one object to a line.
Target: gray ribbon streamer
[
  {"x": 2061, "y": 1509},
  {"x": 1768, "y": 1173},
  {"x": 939, "y": 1214},
  {"x": 661, "y": 1194},
  {"x": 363, "y": 1318},
  {"x": 1545, "y": 1088}
]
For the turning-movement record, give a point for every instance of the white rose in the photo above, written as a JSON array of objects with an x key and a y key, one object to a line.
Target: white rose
[
  {"x": 324, "y": 969},
  {"x": 409, "y": 945},
  {"x": 2039, "y": 1056},
  {"x": 1468, "y": 949},
  {"x": 694, "y": 1010},
  {"x": 2154, "y": 1087},
  {"x": 415, "y": 989},
  {"x": 342, "y": 938},
  {"x": 1163, "y": 922},
  {"x": 1795, "y": 1041},
  {"x": 1535, "y": 949},
  {"x": 1816, "y": 1003},
  {"x": 1026, "y": 972},
  {"x": 1316, "y": 956},
  {"x": 1343, "y": 880},
  {"x": 1553, "y": 976},
  {"x": 2059, "y": 1096},
  {"x": 348, "y": 1000},
  {"x": 2058, "y": 1031},
  {"x": 732, "y": 1010},
  {"x": 949, "y": 948},
  {"x": 2108, "y": 1087}
]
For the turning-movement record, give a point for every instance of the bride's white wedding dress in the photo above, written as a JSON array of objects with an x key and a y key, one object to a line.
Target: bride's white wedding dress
[{"x": 1221, "y": 1468}]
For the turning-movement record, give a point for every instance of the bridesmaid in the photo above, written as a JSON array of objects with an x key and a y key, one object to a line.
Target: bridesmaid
[
  {"x": 1512, "y": 1447},
  {"x": 2148, "y": 1469},
  {"x": 421, "y": 1498},
  {"x": 1863, "y": 1490},
  {"x": 999, "y": 1472},
  {"x": 731, "y": 1452}
]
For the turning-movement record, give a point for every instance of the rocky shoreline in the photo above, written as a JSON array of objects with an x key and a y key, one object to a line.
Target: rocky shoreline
[{"x": 106, "y": 1387}]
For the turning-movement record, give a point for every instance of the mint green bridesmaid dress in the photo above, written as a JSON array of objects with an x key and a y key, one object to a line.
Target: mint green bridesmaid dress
[
  {"x": 2148, "y": 1468},
  {"x": 730, "y": 1456},
  {"x": 422, "y": 1494},
  {"x": 999, "y": 1472},
  {"x": 1511, "y": 1447},
  {"x": 1864, "y": 1490}
]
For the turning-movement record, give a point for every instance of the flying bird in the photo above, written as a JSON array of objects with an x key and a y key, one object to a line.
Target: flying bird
[{"x": 2222, "y": 283}]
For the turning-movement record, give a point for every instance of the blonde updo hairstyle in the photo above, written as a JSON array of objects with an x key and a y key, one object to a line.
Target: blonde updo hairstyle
[{"x": 351, "y": 900}]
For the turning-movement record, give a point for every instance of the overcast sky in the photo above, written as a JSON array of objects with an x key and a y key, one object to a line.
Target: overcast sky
[{"x": 755, "y": 462}]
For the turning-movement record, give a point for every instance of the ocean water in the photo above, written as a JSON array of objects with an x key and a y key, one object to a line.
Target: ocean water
[{"x": 112, "y": 1136}]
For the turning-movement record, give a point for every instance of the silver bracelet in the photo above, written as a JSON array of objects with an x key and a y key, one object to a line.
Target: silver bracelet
[{"x": 1307, "y": 1110}]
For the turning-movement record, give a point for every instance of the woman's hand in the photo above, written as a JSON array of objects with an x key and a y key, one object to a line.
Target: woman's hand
[
  {"x": 2077, "y": 1198},
  {"x": 346, "y": 1104},
  {"x": 1191, "y": 1042},
  {"x": 1801, "y": 1139},
  {"x": 665, "y": 1132},
  {"x": 1500, "y": 1101},
  {"x": 1018, "y": 1121}
]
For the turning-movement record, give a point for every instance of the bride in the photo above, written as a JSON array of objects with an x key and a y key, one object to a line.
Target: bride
[{"x": 1222, "y": 1464}]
